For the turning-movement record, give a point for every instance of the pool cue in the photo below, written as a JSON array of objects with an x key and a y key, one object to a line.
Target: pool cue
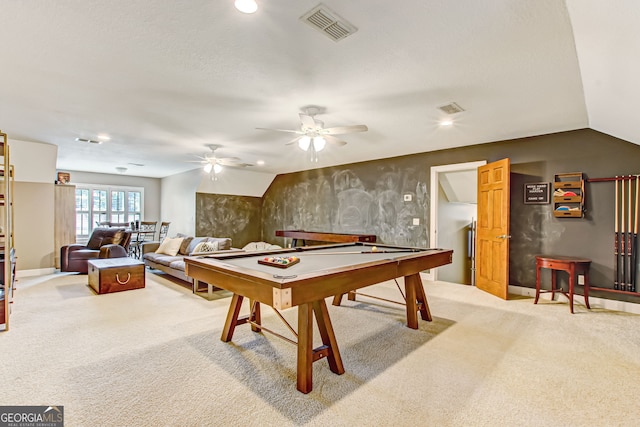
[
  {"x": 623, "y": 243},
  {"x": 360, "y": 252},
  {"x": 629, "y": 238},
  {"x": 636, "y": 244},
  {"x": 616, "y": 229}
]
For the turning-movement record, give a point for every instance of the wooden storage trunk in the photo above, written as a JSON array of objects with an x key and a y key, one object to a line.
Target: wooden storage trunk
[{"x": 115, "y": 274}]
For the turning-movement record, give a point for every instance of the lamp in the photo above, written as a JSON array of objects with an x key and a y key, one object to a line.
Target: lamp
[{"x": 246, "y": 6}]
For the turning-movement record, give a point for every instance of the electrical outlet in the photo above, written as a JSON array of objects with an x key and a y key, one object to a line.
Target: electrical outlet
[
  {"x": 407, "y": 197},
  {"x": 580, "y": 279},
  {"x": 416, "y": 221}
]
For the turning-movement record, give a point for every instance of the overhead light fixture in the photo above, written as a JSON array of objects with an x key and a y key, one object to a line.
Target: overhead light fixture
[
  {"x": 446, "y": 122},
  {"x": 215, "y": 167},
  {"x": 318, "y": 143},
  {"x": 313, "y": 145},
  {"x": 104, "y": 137},
  {"x": 246, "y": 6}
]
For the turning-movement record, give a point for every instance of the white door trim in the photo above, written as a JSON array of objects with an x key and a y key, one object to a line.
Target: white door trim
[{"x": 433, "y": 213}]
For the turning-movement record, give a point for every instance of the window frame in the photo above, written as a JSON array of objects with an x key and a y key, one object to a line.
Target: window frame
[{"x": 126, "y": 214}]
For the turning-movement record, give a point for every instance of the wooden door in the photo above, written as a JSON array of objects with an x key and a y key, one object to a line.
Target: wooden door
[{"x": 492, "y": 250}]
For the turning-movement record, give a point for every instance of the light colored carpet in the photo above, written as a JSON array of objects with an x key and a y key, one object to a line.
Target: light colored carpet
[{"x": 153, "y": 357}]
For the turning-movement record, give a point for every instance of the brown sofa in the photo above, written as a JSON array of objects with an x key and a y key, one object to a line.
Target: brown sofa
[{"x": 103, "y": 243}]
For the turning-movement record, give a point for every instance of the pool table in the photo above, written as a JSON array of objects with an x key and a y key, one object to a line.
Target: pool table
[{"x": 322, "y": 271}]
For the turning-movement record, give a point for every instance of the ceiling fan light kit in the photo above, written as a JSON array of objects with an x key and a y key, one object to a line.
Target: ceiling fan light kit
[
  {"x": 246, "y": 6},
  {"x": 214, "y": 165},
  {"x": 313, "y": 136}
]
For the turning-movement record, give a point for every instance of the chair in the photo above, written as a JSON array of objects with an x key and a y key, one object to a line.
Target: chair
[
  {"x": 146, "y": 233},
  {"x": 164, "y": 230},
  {"x": 103, "y": 243}
]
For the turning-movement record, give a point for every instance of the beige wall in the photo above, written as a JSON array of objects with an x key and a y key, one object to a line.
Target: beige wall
[
  {"x": 33, "y": 208},
  {"x": 35, "y": 172}
]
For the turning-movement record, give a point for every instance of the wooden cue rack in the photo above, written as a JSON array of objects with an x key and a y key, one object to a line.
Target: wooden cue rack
[{"x": 622, "y": 179}]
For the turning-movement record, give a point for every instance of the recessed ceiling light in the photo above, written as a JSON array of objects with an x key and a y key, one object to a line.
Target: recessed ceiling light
[
  {"x": 446, "y": 122},
  {"x": 260, "y": 163},
  {"x": 104, "y": 137},
  {"x": 246, "y": 6}
]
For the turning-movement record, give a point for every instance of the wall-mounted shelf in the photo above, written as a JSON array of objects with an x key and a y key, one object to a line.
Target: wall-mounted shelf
[{"x": 568, "y": 195}]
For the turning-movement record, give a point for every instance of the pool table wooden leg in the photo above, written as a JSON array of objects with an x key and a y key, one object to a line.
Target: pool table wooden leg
[
  {"x": 306, "y": 353},
  {"x": 232, "y": 318},
  {"x": 328, "y": 337},
  {"x": 255, "y": 315},
  {"x": 416, "y": 301},
  {"x": 337, "y": 299},
  {"x": 305, "y": 348}
]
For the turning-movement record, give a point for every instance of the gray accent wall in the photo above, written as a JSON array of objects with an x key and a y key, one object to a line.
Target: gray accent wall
[
  {"x": 237, "y": 217},
  {"x": 368, "y": 198}
]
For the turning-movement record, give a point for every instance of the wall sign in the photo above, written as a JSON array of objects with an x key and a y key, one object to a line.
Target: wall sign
[{"x": 536, "y": 193}]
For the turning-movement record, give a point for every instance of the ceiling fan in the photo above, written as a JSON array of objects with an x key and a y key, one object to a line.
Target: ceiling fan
[
  {"x": 215, "y": 164},
  {"x": 313, "y": 136}
]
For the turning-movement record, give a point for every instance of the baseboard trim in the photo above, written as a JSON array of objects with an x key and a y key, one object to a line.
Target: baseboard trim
[
  {"x": 35, "y": 272},
  {"x": 594, "y": 302}
]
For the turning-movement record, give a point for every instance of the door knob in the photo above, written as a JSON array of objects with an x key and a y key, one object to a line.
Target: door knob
[{"x": 504, "y": 236}]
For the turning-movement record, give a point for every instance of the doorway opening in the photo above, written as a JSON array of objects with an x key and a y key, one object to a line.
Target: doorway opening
[{"x": 454, "y": 194}]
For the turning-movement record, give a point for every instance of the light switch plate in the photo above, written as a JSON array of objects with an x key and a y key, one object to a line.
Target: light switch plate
[
  {"x": 416, "y": 221},
  {"x": 407, "y": 197}
]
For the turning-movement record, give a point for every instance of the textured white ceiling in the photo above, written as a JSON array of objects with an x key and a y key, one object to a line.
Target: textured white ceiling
[{"x": 166, "y": 78}]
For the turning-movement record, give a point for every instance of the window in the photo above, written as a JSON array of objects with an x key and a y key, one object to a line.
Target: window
[{"x": 97, "y": 204}]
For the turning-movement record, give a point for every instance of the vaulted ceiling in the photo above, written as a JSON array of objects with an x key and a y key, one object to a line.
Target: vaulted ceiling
[{"x": 164, "y": 79}]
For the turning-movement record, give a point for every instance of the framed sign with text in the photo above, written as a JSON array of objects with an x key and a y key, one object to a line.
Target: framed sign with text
[{"x": 536, "y": 193}]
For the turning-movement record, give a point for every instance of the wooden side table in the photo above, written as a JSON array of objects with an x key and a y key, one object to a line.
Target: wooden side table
[{"x": 573, "y": 266}]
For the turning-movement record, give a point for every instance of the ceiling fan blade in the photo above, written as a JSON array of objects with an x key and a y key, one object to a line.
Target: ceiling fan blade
[
  {"x": 307, "y": 121},
  {"x": 293, "y": 141},
  {"x": 283, "y": 130},
  {"x": 228, "y": 161},
  {"x": 344, "y": 129},
  {"x": 333, "y": 140}
]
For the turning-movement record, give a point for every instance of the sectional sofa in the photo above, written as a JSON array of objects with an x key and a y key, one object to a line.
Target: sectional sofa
[{"x": 173, "y": 264}]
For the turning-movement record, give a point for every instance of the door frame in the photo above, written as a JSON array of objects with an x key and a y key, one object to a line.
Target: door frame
[{"x": 433, "y": 208}]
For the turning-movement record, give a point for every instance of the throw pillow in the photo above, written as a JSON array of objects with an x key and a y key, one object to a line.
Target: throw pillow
[
  {"x": 170, "y": 246},
  {"x": 206, "y": 247},
  {"x": 224, "y": 243},
  {"x": 185, "y": 245}
]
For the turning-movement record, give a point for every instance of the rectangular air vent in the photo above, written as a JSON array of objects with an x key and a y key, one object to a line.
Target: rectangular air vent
[
  {"x": 451, "y": 108},
  {"x": 328, "y": 23}
]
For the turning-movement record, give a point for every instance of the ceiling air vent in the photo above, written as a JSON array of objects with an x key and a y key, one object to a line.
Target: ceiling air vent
[
  {"x": 328, "y": 23},
  {"x": 451, "y": 108},
  {"x": 90, "y": 141}
]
